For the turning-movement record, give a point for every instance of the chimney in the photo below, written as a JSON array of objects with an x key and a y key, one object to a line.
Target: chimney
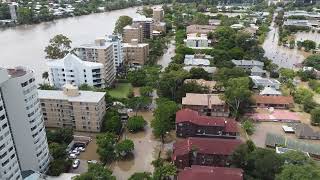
[{"x": 71, "y": 90}]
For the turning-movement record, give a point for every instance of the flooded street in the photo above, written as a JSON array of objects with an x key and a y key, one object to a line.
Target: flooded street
[
  {"x": 282, "y": 56},
  {"x": 314, "y": 36},
  {"x": 146, "y": 150},
  {"x": 169, "y": 53}
]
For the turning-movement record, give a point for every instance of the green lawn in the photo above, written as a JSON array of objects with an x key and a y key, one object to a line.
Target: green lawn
[{"x": 121, "y": 90}]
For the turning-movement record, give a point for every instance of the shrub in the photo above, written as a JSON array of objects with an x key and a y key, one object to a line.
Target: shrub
[{"x": 136, "y": 123}]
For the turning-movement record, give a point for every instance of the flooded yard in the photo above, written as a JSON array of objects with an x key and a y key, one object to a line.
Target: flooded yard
[
  {"x": 146, "y": 150},
  {"x": 314, "y": 36},
  {"x": 282, "y": 56}
]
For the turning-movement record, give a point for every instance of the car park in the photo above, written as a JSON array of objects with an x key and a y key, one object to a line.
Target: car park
[
  {"x": 72, "y": 156},
  {"x": 76, "y": 164},
  {"x": 76, "y": 151}
]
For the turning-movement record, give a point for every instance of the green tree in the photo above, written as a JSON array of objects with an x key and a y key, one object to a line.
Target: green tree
[
  {"x": 59, "y": 166},
  {"x": 137, "y": 77},
  {"x": 302, "y": 95},
  {"x": 124, "y": 148},
  {"x": 299, "y": 172},
  {"x": 46, "y": 86},
  {"x": 240, "y": 156},
  {"x": 248, "y": 126},
  {"x": 4, "y": 11},
  {"x": 286, "y": 74},
  {"x": 136, "y": 123},
  {"x": 164, "y": 117},
  {"x": 224, "y": 74},
  {"x": 61, "y": 135},
  {"x": 309, "y": 45},
  {"x": 58, "y": 151},
  {"x": 295, "y": 158},
  {"x": 45, "y": 15},
  {"x": 146, "y": 91},
  {"x": 25, "y": 15},
  {"x": 58, "y": 47},
  {"x": 106, "y": 146},
  {"x": 237, "y": 94},
  {"x": 313, "y": 61},
  {"x": 199, "y": 73},
  {"x": 96, "y": 172},
  {"x": 141, "y": 176},
  {"x": 315, "y": 116},
  {"x": 164, "y": 171},
  {"x": 121, "y": 23},
  {"x": 113, "y": 124},
  {"x": 139, "y": 103}
]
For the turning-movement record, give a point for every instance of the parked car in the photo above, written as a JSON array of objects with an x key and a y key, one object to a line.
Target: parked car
[
  {"x": 76, "y": 164},
  {"x": 92, "y": 161},
  {"x": 82, "y": 149},
  {"x": 72, "y": 156},
  {"x": 76, "y": 151}
]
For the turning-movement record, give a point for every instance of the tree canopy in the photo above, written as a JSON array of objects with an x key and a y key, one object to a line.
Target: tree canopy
[
  {"x": 121, "y": 23},
  {"x": 58, "y": 47}
]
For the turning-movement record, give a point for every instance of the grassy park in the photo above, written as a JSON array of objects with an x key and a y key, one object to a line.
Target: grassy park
[{"x": 121, "y": 90}]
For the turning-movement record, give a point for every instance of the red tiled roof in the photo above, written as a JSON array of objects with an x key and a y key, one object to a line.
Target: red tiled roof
[
  {"x": 210, "y": 173},
  {"x": 188, "y": 115},
  {"x": 273, "y": 99},
  {"x": 205, "y": 146}
]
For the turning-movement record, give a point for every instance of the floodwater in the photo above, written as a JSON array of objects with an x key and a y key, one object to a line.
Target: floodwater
[
  {"x": 146, "y": 150},
  {"x": 224, "y": 13},
  {"x": 282, "y": 56},
  {"x": 24, "y": 45},
  {"x": 169, "y": 53}
]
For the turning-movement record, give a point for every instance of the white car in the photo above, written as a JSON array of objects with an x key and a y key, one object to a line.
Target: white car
[
  {"x": 76, "y": 151},
  {"x": 72, "y": 156},
  {"x": 82, "y": 149},
  {"x": 76, "y": 164}
]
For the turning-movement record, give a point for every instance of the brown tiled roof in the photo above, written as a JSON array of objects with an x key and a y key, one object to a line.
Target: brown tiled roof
[
  {"x": 188, "y": 115},
  {"x": 202, "y": 99},
  {"x": 203, "y": 29},
  {"x": 205, "y": 146},
  {"x": 196, "y": 172},
  {"x": 273, "y": 99}
]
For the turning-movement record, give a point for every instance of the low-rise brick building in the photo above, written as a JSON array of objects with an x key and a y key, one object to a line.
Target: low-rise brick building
[
  {"x": 206, "y": 104},
  {"x": 278, "y": 102},
  {"x": 190, "y": 124},
  {"x": 203, "y": 151}
]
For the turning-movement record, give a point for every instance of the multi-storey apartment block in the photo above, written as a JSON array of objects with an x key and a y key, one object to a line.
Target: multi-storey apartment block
[
  {"x": 23, "y": 142},
  {"x": 100, "y": 51},
  {"x": 158, "y": 14},
  {"x": 117, "y": 49},
  {"x": 80, "y": 110},
  {"x": 73, "y": 70},
  {"x": 135, "y": 53},
  {"x": 132, "y": 32},
  {"x": 147, "y": 26}
]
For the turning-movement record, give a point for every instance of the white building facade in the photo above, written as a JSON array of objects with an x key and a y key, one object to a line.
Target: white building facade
[
  {"x": 73, "y": 70},
  {"x": 197, "y": 41},
  {"x": 117, "y": 49},
  {"x": 23, "y": 118}
]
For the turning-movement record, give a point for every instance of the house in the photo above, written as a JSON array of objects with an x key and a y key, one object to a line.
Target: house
[
  {"x": 304, "y": 131},
  {"x": 197, "y": 41},
  {"x": 278, "y": 102},
  {"x": 269, "y": 91},
  {"x": 257, "y": 71},
  {"x": 202, "y": 29},
  {"x": 247, "y": 64},
  {"x": 211, "y": 85},
  {"x": 260, "y": 82},
  {"x": 210, "y": 173},
  {"x": 197, "y": 60},
  {"x": 203, "y": 151},
  {"x": 214, "y": 22},
  {"x": 190, "y": 124},
  {"x": 275, "y": 115},
  {"x": 206, "y": 104}
]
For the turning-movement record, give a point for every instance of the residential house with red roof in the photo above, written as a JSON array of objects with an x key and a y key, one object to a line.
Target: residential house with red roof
[
  {"x": 203, "y": 151},
  {"x": 206, "y": 104},
  {"x": 210, "y": 173},
  {"x": 278, "y": 102},
  {"x": 190, "y": 124}
]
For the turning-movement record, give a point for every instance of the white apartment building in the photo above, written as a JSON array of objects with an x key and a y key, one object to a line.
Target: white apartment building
[
  {"x": 73, "y": 70},
  {"x": 117, "y": 49},
  {"x": 23, "y": 142},
  {"x": 100, "y": 51},
  {"x": 197, "y": 41}
]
